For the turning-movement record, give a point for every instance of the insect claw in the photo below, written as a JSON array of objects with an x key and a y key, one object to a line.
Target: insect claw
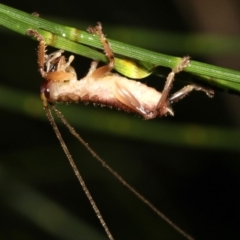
[{"x": 35, "y": 34}]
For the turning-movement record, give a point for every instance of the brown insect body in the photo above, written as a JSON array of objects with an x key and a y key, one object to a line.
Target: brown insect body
[{"x": 110, "y": 90}]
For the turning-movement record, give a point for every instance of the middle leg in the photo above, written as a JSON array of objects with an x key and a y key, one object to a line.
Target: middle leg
[{"x": 99, "y": 72}]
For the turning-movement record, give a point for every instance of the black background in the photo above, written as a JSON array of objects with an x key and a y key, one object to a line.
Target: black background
[{"x": 197, "y": 188}]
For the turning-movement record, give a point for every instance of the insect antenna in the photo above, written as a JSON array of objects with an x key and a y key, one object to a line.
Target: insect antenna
[
  {"x": 114, "y": 173},
  {"x": 74, "y": 167}
]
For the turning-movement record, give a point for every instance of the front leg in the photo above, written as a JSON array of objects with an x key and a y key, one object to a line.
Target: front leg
[{"x": 41, "y": 50}]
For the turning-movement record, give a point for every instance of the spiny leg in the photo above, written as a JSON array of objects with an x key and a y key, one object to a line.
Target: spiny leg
[
  {"x": 48, "y": 60},
  {"x": 99, "y": 72},
  {"x": 41, "y": 50},
  {"x": 42, "y": 57},
  {"x": 187, "y": 89},
  {"x": 162, "y": 107}
]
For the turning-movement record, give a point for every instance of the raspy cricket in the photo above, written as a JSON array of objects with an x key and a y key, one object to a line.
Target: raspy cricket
[
  {"x": 186, "y": 165},
  {"x": 105, "y": 88}
]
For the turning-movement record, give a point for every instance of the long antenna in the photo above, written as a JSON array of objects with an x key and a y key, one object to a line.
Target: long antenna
[
  {"x": 76, "y": 171},
  {"x": 119, "y": 177}
]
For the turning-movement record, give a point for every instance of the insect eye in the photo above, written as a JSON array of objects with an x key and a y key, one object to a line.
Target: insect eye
[{"x": 45, "y": 91}]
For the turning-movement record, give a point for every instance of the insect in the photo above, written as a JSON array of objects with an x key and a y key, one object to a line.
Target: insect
[{"x": 105, "y": 88}]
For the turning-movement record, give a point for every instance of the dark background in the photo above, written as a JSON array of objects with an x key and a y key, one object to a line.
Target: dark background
[{"x": 197, "y": 188}]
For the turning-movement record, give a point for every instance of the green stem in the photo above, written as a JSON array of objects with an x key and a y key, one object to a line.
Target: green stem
[{"x": 72, "y": 40}]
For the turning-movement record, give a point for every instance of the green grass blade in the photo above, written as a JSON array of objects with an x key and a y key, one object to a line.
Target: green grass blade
[{"x": 63, "y": 37}]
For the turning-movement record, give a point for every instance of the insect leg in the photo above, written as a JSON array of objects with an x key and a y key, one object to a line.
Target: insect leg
[
  {"x": 41, "y": 50},
  {"x": 187, "y": 89},
  {"x": 93, "y": 68},
  {"x": 162, "y": 107},
  {"x": 99, "y": 72}
]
